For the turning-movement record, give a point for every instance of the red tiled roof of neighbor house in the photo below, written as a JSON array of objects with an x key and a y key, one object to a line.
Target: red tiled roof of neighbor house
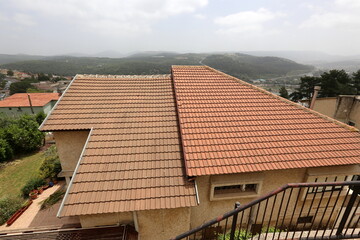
[
  {"x": 132, "y": 160},
  {"x": 230, "y": 126},
  {"x": 22, "y": 99}
]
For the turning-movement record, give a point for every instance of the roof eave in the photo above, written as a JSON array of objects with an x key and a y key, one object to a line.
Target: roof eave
[{"x": 59, "y": 213}]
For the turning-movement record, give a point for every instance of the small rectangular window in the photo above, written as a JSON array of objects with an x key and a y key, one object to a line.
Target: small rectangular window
[
  {"x": 19, "y": 109},
  {"x": 307, "y": 219},
  {"x": 10, "y": 108},
  {"x": 234, "y": 190}
]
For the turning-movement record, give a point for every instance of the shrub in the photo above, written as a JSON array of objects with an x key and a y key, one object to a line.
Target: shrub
[
  {"x": 51, "y": 165},
  {"x": 40, "y": 116},
  {"x": 32, "y": 184},
  {"x": 24, "y": 135},
  {"x": 8, "y": 206},
  {"x": 241, "y": 235},
  {"x": 6, "y": 152}
]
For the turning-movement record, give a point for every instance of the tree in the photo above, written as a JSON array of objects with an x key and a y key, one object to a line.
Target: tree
[
  {"x": 40, "y": 116},
  {"x": 10, "y": 73},
  {"x": 24, "y": 135},
  {"x": 43, "y": 77},
  {"x": 20, "y": 87},
  {"x": 306, "y": 88},
  {"x": 283, "y": 92},
  {"x": 334, "y": 83},
  {"x": 356, "y": 82},
  {"x": 2, "y": 84}
]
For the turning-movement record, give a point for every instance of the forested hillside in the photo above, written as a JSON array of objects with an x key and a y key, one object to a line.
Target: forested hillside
[
  {"x": 6, "y": 58},
  {"x": 239, "y": 65},
  {"x": 246, "y": 66}
]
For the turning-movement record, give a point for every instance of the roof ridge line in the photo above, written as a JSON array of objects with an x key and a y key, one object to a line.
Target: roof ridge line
[
  {"x": 179, "y": 125},
  {"x": 120, "y": 76},
  {"x": 341, "y": 124}
]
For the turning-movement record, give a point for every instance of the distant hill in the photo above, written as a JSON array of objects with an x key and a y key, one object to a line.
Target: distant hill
[
  {"x": 7, "y": 58},
  {"x": 246, "y": 66},
  {"x": 239, "y": 65},
  {"x": 306, "y": 57},
  {"x": 347, "y": 65}
]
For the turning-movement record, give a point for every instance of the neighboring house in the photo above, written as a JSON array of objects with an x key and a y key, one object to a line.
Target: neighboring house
[
  {"x": 166, "y": 153},
  {"x": 44, "y": 85},
  {"x": 58, "y": 87},
  {"x": 344, "y": 108},
  {"x": 31, "y": 103},
  {"x": 21, "y": 75}
]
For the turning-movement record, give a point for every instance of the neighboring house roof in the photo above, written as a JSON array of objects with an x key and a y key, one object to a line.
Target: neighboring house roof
[
  {"x": 22, "y": 99},
  {"x": 230, "y": 126},
  {"x": 132, "y": 160}
]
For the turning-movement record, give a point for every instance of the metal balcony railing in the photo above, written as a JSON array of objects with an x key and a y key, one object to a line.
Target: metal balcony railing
[{"x": 320, "y": 210}]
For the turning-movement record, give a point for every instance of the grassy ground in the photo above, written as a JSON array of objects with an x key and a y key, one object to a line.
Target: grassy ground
[{"x": 14, "y": 175}]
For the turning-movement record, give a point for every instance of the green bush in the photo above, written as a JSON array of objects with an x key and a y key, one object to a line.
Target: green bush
[
  {"x": 8, "y": 206},
  {"x": 23, "y": 135},
  {"x": 6, "y": 152},
  {"x": 40, "y": 116},
  {"x": 51, "y": 165},
  {"x": 32, "y": 184},
  {"x": 241, "y": 235}
]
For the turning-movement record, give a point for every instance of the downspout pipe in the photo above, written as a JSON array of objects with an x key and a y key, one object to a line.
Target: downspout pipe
[{"x": 31, "y": 107}]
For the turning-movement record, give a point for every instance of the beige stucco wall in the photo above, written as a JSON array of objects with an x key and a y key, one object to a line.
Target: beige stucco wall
[
  {"x": 106, "y": 219},
  {"x": 69, "y": 145},
  {"x": 210, "y": 209},
  {"x": 270, "y": 180},
  {"x": 355, "y": 114},
  {"x": 167, "y": 223},
  {"x": 326, "y": 106},
  {"x": 153, "y": 224},
  {"x": 163, "y": 224}
]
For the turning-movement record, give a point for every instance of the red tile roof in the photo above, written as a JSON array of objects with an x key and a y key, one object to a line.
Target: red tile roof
[
  {"x": 133, "y": 158},
  {"x": 230, "y": 126},
  {"x": 22, "y": 100}
]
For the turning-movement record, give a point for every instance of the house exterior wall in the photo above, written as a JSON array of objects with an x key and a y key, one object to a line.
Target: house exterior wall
[
  {"x": 47, "y": 108},
  {"x": 163, "y": 224},
  {"x": 167, "y": 223},
  {"x": 343, "y": 108},
  {"x": 355, "y": 113},
  {"x": 209, "y": 209},
  {"x": 14, "y": 111},
  {"x": 69, "y": 145},
  {"x": 269, "y": 180},
  {"x": 326, "y": 106},
  {"x": 106, "y": 219},
  {"x": 153, "y": 224}
]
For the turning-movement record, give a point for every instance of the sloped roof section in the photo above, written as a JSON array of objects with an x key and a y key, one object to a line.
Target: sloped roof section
[
  {"x": 132, "y": 160},
  {"x": 22, "y": 99},
  {"x": 230, "y": 126}
]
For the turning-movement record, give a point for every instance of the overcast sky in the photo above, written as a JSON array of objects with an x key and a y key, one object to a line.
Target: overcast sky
[{"x": 49, "y": 27}]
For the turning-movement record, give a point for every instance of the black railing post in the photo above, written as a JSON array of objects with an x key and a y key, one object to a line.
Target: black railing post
[
  {"x": 354, "y": 195},
  {"x": 233, "y": 225}
]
